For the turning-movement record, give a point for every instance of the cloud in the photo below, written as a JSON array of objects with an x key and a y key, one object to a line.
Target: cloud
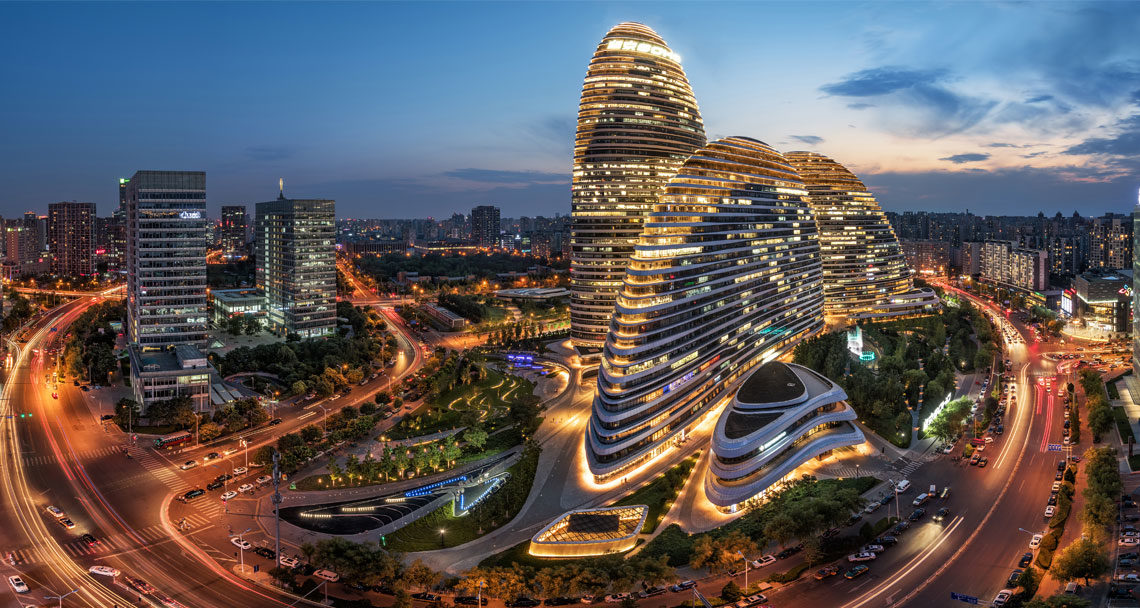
[
  {"x": 269, "y": 153},
  {"x": 1039, "y": 99},
  {"x": 559, "y": 129},
  {"x": 971, "y": 157},
  {"x": 881, "y": 81},
  {"x": 496, "y": 176},
  {"x": 808, "y": 139},
  {"x": 1126, "y": 142},
  {"x": 860, "y": 106},
  {"x": 1001, "y": 145},
  {"x": 944, "y": 111}
]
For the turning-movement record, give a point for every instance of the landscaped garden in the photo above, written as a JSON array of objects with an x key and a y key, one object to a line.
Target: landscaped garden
[{"x": 660, "y": 493}]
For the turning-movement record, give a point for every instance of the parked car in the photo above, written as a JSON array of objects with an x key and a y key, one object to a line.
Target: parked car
[
  {"x": 825, "y": 572},
  {"x": 683, "y": 586},
  {"x": 327, "y": 575},
  {"x": 856, "y": 572},
  {"x": 425, "y": 596},
  {"x": 790, "y": 551},
  {"x": 1049, "y": 511},
  {"x": 862, "y": 557},
  {"x": 288, "y": 562},
  {"x": 1014, "y": 577},
  {"x": 1036, "y": 541},
  {"x": 766, "y": 560},
  {"x": 265, "y": 552},
  {"x": 241, "y": 543},
  {"x": 229, "y": 495},
  {"x": 916, "y": 514},
  {"x": 18, "y": 584},
  {"x": 1002, "y": 597}
]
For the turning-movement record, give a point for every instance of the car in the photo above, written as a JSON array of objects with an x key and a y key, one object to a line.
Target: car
[
  {"x": 192, "y": 494},
  {"x": 425, "y": 596},
  {"x": 989, "y": 440},
  {"x": 861, "y": 557},
  {"x": 1130, "y": 555},
  {"x": 856, "y": 572},
  {"x": 1061, "y": 466},
  {"x": 328, "y": 575},
  {"x": 650, "y": 592},
  {"x": 139, "y": 585},
  {"x": 334, "y": 397},
  {"x": 942, "y": 514},
  {"x": 104, "y": 571},
  {"x": 872, "y": 549},
  {"x": 229, "y": 495},
  {"x": 790, "y": 551},
  {"x": 1129, "y": 578},
  {"x": 1052, "y": 500},
  {"x": 886, "y": 541},
  {"x": 526, "y": 602},
  {"x": 241, "y": 543},
  {"x": 828, "y": 533},
  {"x": 240, "y": 471},
  {"x": 1026, "y": 559},
  {"x": 66, "y": 523},
  {"x": 265, "y": 552},
  {"x": 1050, "y": 510},
  {"x": 902, "y": 486},
  {"x": 189, "y": 464},
  {"x": 245, "y": 487},
  {"x": 766, "y": 560},
  {"x": 275, "y": 422},
  {"x": 920, "y": 499},
  {"x": 55, "y": 512},
  {"x": 1014, "y": 577},
  {"x": 1002, "y": 597},
  {"x": 471, "y": 600},
  {"x": 823, "y": 573},
  {"x": 683, "y": 586},
  {"x": 614, "y": 598},
  {"x": 85, "y": 388},
  {"x": 210, "y": 456},
  {"x": 974, "y": 459},
  {"x": 55, "y": 395},
  {"x": 18, "y": 584},
  {"x": 1059, "y": 476},
  {"x": 1036, "y": 541},
  {"x": 916, "y": 514},
  {"x": 1128, "y": 541},
  {"x": 264, "y": 479},
  {"x": 89, "y": 539},
  {"x": 214, "y": 485},
  {"x": 901, "y": 527},
  {"x": 224, "y": 477},
  {"x": 982, "y": 462},
  {"x": 1056, "y": 486}
]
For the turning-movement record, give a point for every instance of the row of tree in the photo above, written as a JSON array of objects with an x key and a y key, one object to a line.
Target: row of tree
[
  {"x": 1096, "y": 401},
  {"x": 90, "y": 348}
]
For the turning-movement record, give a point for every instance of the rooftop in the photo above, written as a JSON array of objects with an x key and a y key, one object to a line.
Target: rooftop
[
  {"x": 773, "y": 382},
  {"x": 594, "y": 525}
]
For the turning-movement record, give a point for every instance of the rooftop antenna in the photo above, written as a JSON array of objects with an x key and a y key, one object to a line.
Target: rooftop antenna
[{"x": 281, "y": 188}]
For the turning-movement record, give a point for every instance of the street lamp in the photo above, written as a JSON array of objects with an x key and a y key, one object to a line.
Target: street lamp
[
  {"x": 60, "y": 597},
  {"x": 241, "y": 549},
  {"x": 324, "y": 419},
  {"x": 741, "y": 554},
  {"x": 479, "y": 592},
  {"x": 245, "y": 450},
  {"x": 442, "y": 531}
]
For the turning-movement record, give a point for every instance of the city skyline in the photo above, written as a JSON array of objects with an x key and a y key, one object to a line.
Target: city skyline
[{"x": 933, "y": 112}]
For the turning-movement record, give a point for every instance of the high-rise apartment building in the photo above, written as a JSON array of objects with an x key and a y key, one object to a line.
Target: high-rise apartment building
[
  {"x": 726, "y": 275},
  {"x": 637, "y": 122},
  {"x": 927, "y": 255},
  {"x": 970, "y": 258},
  {"x": 485, "y": 225},
  {"x": 71, "y": 238},
  {"x": 234, "y": 230},
  {"x": 296, "y": 265},
  {"x": 864, "y": 272},
  {"x": 1005, "y": 264},
  {"x": 166, "y": 259},
  {"x": 1110, "y": 244},
  {"x": 1136, "y": 289}
]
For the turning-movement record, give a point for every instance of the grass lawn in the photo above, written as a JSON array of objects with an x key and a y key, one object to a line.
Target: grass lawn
[
  {"x": 1122, "y": 424},
  {"x": 491, "y": 397},
  {"x": 661, "y": 492}
]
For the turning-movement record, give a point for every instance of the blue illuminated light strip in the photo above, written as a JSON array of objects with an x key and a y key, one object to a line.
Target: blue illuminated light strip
[{"x": 428, "y": 489}]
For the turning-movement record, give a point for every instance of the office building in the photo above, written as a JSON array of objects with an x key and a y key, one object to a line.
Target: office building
[
  {"x": 296, "y": 265},
  {"x": 1135, "y": 291},
  {"x": 485, "y": 226},
  {"x": 782, "y": 416},
  {"x": 726, "y": 275},
  {"x": 864, "y": 272},
  {"x": 637, "y": 122},
  {"x": 1005, "y": 264},
  {"x": 1101, "y": 301},
  {"x": 71, "y": 238},
  {"x": 591, "y": 532},
  {"x": 234, "y": 231}
]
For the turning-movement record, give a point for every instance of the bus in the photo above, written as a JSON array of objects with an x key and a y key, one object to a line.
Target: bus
[{"x": 172, "y": 439}]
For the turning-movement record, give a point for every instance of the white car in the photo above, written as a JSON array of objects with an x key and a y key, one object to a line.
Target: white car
[
  {"x": 55, "y": 512},
  {"x": 1050, "y": 510},
  {"x": 264, "y": 479},
  {"x": 228, "y": 451},
  {"x": 104, "y": 570},
  {"x": 1128, "y": 541},
  {"x": 872, "y": 549},
  {"x": 241, "y": 543},
  {"x": 1002, "y": 597},
  {"x": 18, "y": 584},
  {"x": 229, "y": 495},
  {"x": 189, "y": 464},
  {"x": 245, "y": 487},
  {"x": 989, "y": 440},
  {"x": 288, "y": 562},
  {"x": 1056, "y": 486},
  {"x": 1129, "y": 578},
  {"x": 614, "y": 598},
  {"x": 1036, "y": 541},
  {"x": 865, "y": 556},
  {"x": 764, "y": 561},
  {"x": 873, "y": 506},
  {"x": 333, "y": 577},
  {"x": 240, "y": 471}
]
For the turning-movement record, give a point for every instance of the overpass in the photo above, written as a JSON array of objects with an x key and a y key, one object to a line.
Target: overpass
[{"x": 113, "y": 292}]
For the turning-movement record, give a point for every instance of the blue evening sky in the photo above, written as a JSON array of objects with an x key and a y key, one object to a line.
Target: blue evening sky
[{"x": 416, "y": 109}]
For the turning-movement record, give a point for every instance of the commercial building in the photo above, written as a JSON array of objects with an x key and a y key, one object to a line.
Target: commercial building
[
  {"x": 1110, "y": 242},
  {"x": 443, "y": 318},
  {"x": 637, "y": 122},
  {"x": 234, "y": 230},
  {"x": 590, "y": 532},
  {"x": 864, "y": 272},
  {"x": 71, "y": 238},
  {"x": 378, "y": 246},
  {"x": 726, "y": 275},
  {"x": 166, "y": 286},
  {"x": 485, "y": 226},
  {"x": 228, "y": 303},
  {"x": 970, "y": 262},
  {"x": 781, "y": 417},
  {"x": 296, "y": 265},
  {"x": 1005, "y": 264},
  {"x": 1101, "y": 301},
  {"x": 1135, "y": 291},
  {"x": 926, "y": 256}
]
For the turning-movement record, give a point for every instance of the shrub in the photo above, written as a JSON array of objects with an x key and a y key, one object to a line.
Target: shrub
[
  {"x": 790, "y": 575},
  {"x": 731, "y": 592},
  {"x": 1044, "y": 558}
]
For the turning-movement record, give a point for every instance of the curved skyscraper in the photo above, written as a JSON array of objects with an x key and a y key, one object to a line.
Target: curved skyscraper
[
  {"x": 864, "y": 272},
  {"x": 637, "y": 122},
  {"x": 782, "y": 416},
  {"x": 726, "y": 275}
]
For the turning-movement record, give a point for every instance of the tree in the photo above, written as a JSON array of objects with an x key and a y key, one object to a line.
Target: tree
[
  {"x": 283, "y": 575},
  {"x": 1029, "y": 581},
  {"x": 126, "y": 411},
  {"x": 1058, "y": 601},
  {"x": 731, "y": 592},
  {"x": 475, "y": 437},
  {"x": 403, "y": 598},
  {"x": 1083, "y": 559},
  {"x": 252, "y": 325},
  {"x": 420, "y": 575},
  {"x": 299, "y": 387},
  {"x": 234, "y": 325},
  {"x": 629, "y": 601},
  {"x": 209, "y": 431},
  {"x": 382, "y": 398},
  {"x": 722, "y": 554}
]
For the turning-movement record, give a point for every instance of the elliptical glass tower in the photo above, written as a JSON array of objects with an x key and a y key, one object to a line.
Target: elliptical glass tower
[
  {"x": 864, "y": 272},
  {"x": 726, "y": 275},
  {"x": 637, "y": 122}
]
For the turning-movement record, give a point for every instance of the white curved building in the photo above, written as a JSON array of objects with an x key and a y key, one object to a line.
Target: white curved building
[
  {"x": 782, "y": 416},
  {"x": 726, "y": 275},
  {"x": 865, "y": 275},
  {"x": 637, "y": 122}
]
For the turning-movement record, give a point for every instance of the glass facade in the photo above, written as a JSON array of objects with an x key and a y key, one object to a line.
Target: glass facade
[
  {"x": 637, "y": 122},
  {"x": 296, "y": 265},
  {"x": 726, "y": 274},
  {"x": 864, "y": 272}
]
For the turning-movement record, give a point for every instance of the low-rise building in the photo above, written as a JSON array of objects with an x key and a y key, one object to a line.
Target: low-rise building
[
  {"x": 182, "y": 371},
  {"x": 589, "y": 532},
  {"x": 1102, "y": 301},
  {"x": 443, "y": 317},
  {"x": 227, "y": 303}
]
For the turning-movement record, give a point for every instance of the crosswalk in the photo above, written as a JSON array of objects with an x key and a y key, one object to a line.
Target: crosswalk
[
  {"x": 115, "y": 543},
  {"x": 907, "y": 466},
  {"x": 40, "y": 460},
  {"x": 159, "y": 468}
]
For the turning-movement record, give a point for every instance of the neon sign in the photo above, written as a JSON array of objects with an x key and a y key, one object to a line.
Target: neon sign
[{"x": 190, "y": 215}]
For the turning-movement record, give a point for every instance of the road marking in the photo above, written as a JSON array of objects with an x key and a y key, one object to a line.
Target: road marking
[
  {"x": 911, "y": 565},
  {"x": 304, "y": 416}
]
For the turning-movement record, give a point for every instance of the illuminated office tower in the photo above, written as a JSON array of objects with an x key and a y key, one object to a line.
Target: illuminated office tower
[
  {"x": 296, "y": 265},
  {"x": 234, "y": 230},
  {"x": 864, "y": 272},
  {"x": 726, "y": 275},
  {"x": 637, "y": 122},
  {"x": 71, "y": 234}
]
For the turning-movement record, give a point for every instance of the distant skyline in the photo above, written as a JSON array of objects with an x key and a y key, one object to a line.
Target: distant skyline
[{"x": 402, "y": 110}]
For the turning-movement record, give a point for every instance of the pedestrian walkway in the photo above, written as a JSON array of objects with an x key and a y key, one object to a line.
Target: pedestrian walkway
[
  {"x": 34, "y": 461},
  {"x": 159, "y": 468}
]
